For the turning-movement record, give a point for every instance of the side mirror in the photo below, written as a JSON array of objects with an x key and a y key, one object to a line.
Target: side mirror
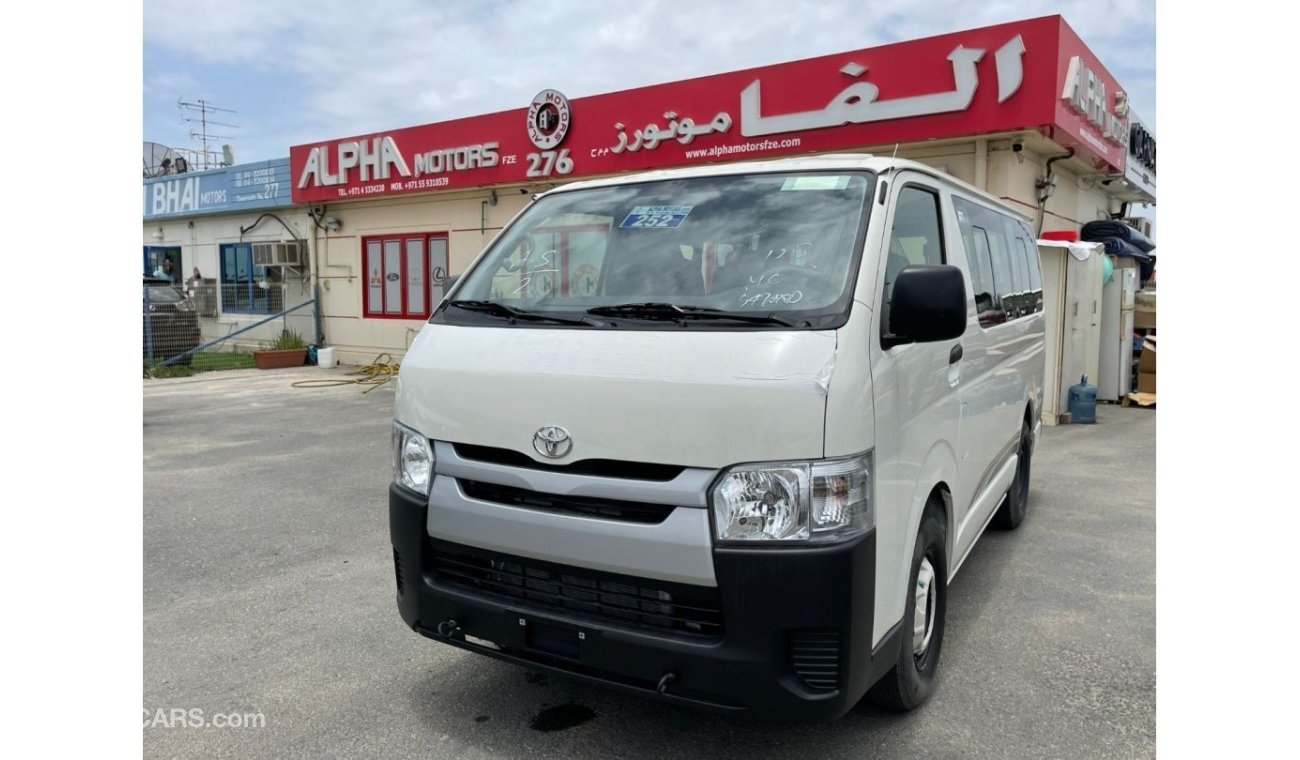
[{"x": 928, "y": 305}]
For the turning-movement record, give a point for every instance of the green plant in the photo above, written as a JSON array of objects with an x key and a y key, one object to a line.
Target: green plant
[{"x": 288, "y": 339}]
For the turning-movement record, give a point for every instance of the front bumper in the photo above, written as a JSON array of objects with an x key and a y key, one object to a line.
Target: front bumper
[{"x": 795, "y": 645}]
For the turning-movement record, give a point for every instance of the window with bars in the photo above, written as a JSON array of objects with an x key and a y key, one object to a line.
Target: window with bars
[
  {"x": 241, "y": 282},
  {"x": 405, "y": 274}
]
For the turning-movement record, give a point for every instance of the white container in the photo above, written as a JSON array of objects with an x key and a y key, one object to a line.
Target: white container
[{"x": 325, "y": 357}]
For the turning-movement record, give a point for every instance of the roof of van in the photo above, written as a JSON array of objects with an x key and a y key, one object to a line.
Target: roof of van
[{"x": 832, "y": 161}]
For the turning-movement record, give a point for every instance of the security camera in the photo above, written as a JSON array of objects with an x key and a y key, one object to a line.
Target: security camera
[{"x": 1017, "y": 145}]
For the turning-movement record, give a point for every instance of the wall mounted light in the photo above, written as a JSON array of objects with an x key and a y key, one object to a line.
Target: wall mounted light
[
  {"x": 492, "y": 199},
  {"x": 333, "y": 223},
  {"x": 158, "y": 234}
]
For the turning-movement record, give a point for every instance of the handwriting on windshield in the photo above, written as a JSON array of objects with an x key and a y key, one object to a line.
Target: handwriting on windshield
[
  {"x": 684, "y": 131},
  {"x": 544, "y": 284},
  {"x": 768, "y": 296},
  {"x": 763, "y": 300},
  {"x": 799, "y": 251},
  {"x": 529, "y": 261},
  {"x": 859, "y": 103}
]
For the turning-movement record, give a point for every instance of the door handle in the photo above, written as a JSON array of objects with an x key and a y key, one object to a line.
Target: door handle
[{"x": 954, "y": 355}]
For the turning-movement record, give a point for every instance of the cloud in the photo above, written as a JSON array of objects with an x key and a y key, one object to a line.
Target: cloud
[{"x": 168, "y": 84}]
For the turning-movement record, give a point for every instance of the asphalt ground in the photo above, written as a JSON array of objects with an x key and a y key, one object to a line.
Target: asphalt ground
[{"x": 268, "y": 592}]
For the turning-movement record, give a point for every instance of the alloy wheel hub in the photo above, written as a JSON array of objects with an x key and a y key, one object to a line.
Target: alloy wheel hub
[{"x": 926, "y": 598}]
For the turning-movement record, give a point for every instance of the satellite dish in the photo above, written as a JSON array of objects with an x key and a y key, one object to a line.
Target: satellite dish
[{"x": 160, "y": 160}]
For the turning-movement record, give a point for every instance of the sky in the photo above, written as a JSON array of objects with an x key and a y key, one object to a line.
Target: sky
[{"x": 302, "y": 72}]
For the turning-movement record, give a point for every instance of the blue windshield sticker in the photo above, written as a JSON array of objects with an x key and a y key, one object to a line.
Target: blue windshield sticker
[{"x": 656, "y": 217}]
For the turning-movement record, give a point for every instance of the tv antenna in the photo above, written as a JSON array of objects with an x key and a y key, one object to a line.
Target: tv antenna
[{"x": 203, "y": 108}]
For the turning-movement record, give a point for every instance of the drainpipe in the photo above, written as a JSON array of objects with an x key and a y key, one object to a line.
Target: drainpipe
[
  {"x": 315, "y": 278},
  {"x": 1046, "y": 188}
]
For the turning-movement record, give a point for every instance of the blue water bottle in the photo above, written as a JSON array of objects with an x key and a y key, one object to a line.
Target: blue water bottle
[{"x": 1083, "y": 402}]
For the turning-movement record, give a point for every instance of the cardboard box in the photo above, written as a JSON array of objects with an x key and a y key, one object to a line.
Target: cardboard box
[
  {"x": 1146, "y": 382},
  {"x": 1147, "y": 360},
  {"x": 1144, "y": 310}
]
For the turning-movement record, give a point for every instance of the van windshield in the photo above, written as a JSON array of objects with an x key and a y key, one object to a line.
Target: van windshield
[{"x": 742, "y": 250}]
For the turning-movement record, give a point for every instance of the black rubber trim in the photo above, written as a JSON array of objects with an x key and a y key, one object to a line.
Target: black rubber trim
[
  {"x": 606, "y": 468},
  {"x": 583, "y": 506},
  {"x": 567, "y": 670}
]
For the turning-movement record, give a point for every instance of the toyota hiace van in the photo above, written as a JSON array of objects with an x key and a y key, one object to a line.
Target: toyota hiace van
[{"x": 722, "y": 436}]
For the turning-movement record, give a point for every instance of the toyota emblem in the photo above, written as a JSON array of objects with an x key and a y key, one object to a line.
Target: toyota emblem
[{"x": 552, "y": 442}]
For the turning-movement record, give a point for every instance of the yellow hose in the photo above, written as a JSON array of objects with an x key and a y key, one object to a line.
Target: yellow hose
[{"x": 375, "y": 374}]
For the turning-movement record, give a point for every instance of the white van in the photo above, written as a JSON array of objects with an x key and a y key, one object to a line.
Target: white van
[{"x": 722, "y": 436}]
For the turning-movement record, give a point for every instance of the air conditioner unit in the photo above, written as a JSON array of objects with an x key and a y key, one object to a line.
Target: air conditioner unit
[
  {"x": 277, "y": 254},
  {"x": 1139, "y": 223}
]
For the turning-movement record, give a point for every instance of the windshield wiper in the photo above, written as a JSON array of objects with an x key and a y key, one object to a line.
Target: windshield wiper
[
  {"x": 672, "y": 311},
  {"x": 502, "y": 310}
]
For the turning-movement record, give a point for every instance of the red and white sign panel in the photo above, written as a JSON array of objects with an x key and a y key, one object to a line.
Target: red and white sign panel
[
  {"x": 1092, "y": 112},
  {"x": 994, "y": 79}
]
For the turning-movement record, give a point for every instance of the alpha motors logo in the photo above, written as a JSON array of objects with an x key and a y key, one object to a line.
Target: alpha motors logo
[{"x": 548, "y": 119}]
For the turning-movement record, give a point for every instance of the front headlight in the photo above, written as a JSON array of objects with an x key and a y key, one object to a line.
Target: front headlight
[
  {"x": 821, "y": 500},
  {"x": 412, "y": 459}
]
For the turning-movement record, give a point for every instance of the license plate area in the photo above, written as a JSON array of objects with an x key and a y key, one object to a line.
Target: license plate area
[{"x": 555, "y": 639}]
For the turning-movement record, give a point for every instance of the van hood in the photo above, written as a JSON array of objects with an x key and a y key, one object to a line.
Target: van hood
[{"x": 696, "y": 398}]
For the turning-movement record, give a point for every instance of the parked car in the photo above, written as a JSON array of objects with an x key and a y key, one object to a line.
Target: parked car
[{"x": 171, "y": 323}]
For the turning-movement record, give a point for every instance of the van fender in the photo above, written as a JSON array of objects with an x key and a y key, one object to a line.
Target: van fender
[{"x": 939, "y": 469}]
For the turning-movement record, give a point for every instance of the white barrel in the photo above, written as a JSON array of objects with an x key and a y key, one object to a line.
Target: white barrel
[{"x": 325, "y": 357}]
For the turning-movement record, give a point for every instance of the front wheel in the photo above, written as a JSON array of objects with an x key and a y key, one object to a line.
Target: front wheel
[{"x": 911, "y": 680}]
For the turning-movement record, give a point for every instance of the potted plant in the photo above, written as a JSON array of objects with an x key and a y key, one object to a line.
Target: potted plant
[{"x": 287, "y": 350}]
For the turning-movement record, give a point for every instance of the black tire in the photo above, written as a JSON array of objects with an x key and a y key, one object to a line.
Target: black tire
[
  {"x": 1012, "y": 512},
  {"x": 911, "y": 680}
]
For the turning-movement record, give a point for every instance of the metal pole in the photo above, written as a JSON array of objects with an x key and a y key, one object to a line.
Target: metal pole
[
  {"x": 148, "y": 326},
  {"x": 244, "y": 329}
]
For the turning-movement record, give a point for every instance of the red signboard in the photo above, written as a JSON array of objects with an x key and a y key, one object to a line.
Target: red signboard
[
  {"x": 1092, "y": 114},
  {"x": 994, "y": 79}
]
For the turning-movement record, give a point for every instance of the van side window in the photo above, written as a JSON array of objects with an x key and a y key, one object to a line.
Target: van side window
[
  {"x": 916, "y": 238},
  {"x": 1003, "y": 262},
  {"x": 980, "y": 258},
  {"x": 1035, "y": 271},
  {"x": 1019, "y": 266}
]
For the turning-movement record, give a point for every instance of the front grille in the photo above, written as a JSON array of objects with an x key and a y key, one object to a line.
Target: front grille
[
  {"x": 815, "y": 657},
  {"x": 397, "y": 568},
  {"x": 606, "y": 468},
  {"x": 609, "y": 509},
  {"x": 591, "y": 593}
]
